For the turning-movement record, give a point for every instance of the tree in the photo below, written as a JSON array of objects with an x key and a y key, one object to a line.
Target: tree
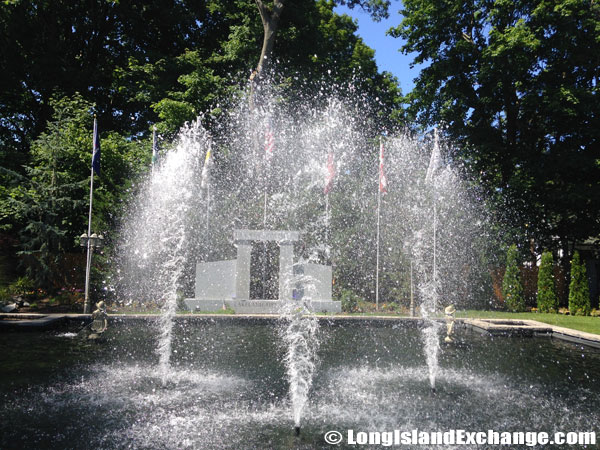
[
  {"x": 121, "y": 56},
  {"x": 516, "y": 83},
  {"x": 579, "y": 291},
  {"x": 512, "y": 288},
  {"x": 48, "y": 205},
  {"x": 139, "y": 62},
  {"x": 547, "y": 299},
  {"x": 51, "y": 197},
  {"x": 270, "y": 17},
  {"x": 317, "y": 52}
]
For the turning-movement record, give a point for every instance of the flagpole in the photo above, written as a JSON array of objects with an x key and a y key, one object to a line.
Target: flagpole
[
  {"x": 435, "y": 234},
  {"x": 327, "y": 226},
  {"x": 153, "y": 147},
  {"x": 264, "y": 262},
  {"x": 265, "y": 208},
  {"x": 208, "y": 187},
  {"x": 378, "y": 222},
  {"x": 412, "y": 292},
  {"x": 88, "y": 265},
  {"x": 207, "y": 207},
  {"x": 328, "y": 186},
  {"x": 434, "y": 251}
]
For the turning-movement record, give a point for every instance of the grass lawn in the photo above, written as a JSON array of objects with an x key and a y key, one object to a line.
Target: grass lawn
[{"x": 581, "y": 323}]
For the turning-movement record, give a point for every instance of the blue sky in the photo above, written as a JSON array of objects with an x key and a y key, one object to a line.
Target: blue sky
[{"x": 387, "y": 48}]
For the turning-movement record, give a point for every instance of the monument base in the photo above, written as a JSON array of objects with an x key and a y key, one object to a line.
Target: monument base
[{"x": 256, "y": 306}]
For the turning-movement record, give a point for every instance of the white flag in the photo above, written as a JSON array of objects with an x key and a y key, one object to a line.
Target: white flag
[
  {"x": 435, "y": 162},
  {"x": 382, "y": 177},
  {"x": 206, "y": 169}
]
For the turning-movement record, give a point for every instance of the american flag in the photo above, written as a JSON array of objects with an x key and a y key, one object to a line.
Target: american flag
[
  {"x": 269, "y": 142},
  {"x": 382, "y": 177}
]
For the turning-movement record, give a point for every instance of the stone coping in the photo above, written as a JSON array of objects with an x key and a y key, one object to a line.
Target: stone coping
[
  {"x": 532, "y": 328},
  {"x": 32, "y": 322},
  {"x": 501, "y": 326}
]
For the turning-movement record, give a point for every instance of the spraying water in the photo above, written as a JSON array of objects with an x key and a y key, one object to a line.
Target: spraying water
[
  {"x": 430, "y": 289},
  {"x": 318, "y": 175},
  {"x": 155, "y": 248},
  {"x": 299, "y": 333}
]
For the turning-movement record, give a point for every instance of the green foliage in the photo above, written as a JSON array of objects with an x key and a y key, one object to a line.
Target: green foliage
[
  {"x": 579, "y": 291},
  {"x": 5, "y": 295},
  {"x": 512, "y": 288},
  {"x": 516, "y": 83},
  {"x": 350, "y": 300},
  {"x": 120, "y": 55},
  {"x": 24, "y": 286},
  {"x": 378, "y": 9},
  {"x": 68, "y": 297},
  {"x": 313, "y": 44},
  {"x": 547, "y": 298},
  {"x": 49, "y": 204},
  {"x": 50, "y": 198}
]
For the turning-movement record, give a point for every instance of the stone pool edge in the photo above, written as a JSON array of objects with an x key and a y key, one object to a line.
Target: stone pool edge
[{"x": 526, "y": 327}]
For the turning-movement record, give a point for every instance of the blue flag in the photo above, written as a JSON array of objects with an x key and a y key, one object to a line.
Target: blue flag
[{"x": 96, "y": 147}]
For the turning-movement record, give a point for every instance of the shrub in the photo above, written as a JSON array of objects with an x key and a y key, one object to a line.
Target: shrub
[
  {"x": 547, "y": 299},
  {"x": 579, "y": 291},
  {"x": 69, "y": 297},
  {"x": 24, "y": 286},
  {"x": 349, "y": 300},
  {"x": 391, "y": 307},
  {"x": 512, "y": 288},
  {"x": 5, "y": 295}
]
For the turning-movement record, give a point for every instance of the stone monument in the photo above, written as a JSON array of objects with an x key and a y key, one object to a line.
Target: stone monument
[{"x": 226, "y": 284}]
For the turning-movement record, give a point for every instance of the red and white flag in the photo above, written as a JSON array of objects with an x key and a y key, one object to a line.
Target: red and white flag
[
  {"x": 382, "y": 178},
  {"x": 330, "y": 174},
  {"x": 269, "y": 142}
]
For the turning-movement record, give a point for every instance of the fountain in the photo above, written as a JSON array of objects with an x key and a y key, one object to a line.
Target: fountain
[
  {"x": 229, "y": 381},
  {"x": 228, "y": 386}
]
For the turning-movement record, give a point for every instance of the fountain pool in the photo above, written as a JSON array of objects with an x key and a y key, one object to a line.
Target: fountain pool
[{"x": 227, "y": 386}]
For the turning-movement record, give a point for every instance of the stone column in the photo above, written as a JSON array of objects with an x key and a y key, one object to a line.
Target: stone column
[
  {"x": 242, "y": 270},
  {"x": 286, "y": 270}
]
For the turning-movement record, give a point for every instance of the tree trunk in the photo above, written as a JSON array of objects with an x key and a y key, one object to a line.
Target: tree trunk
[{"x": 270, "y": 21}]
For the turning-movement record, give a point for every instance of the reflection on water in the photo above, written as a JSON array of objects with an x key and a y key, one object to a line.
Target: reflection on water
[{"x": 228, "y": 389}]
